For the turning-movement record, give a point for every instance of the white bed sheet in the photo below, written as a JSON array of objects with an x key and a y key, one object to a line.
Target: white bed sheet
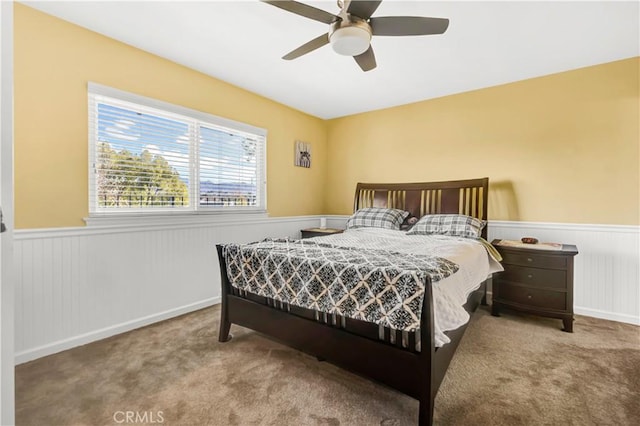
[{"x": 449, "y": 294}]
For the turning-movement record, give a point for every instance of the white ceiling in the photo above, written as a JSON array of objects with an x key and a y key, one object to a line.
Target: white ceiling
[{"x": 487, "y": 44}]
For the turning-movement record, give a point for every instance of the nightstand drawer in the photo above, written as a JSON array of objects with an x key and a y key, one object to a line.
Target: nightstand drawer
[
  {"x": 535, "y": 260},
  {"x": 535, "y": 277},
  {"x": 533, "y": 297}
]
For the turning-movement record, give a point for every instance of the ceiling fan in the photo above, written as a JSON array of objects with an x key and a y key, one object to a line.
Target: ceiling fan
[{"x": 352, "y": 28}]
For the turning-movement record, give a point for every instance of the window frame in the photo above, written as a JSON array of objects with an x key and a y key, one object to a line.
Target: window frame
[{"x": 196, "y": 119}]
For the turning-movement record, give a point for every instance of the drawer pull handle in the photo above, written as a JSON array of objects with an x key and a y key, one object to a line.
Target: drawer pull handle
[
  {"x": 529, "y": 259},
  {"x": 529, "y": 276},
  {"x": 528, "y": 296}
]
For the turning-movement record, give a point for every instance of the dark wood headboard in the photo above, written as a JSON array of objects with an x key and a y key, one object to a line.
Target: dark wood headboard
[{"x": 468, "y": 197}]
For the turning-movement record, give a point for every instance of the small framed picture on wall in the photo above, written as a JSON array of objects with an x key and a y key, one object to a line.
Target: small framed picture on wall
[{"x": 302, "y": 154}]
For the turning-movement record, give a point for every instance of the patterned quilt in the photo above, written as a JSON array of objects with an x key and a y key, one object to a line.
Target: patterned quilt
[{"x": 374, "y": 285}]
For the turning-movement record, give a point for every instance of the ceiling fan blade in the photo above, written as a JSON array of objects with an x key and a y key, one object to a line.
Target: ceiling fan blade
[
  {"x": 363, "y": 9},
  {"x": 308, "y": 47},
  {"x": 366, "y": 60},
  {"x": 408, "y": 25},
  {"x": 304, "y": 10}
]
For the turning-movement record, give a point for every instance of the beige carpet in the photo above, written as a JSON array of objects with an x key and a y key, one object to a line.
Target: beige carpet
[{"x": 512, "y": 370}]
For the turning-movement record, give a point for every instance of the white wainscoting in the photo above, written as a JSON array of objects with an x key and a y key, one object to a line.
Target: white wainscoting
[
  {"x": 78, "y": 285},
  {"x": 606, "y": 270},
  {"x": 74, "y": 286}
]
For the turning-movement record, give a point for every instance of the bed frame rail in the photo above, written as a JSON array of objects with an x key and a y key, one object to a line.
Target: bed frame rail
[{"x": 409, "y": 340}]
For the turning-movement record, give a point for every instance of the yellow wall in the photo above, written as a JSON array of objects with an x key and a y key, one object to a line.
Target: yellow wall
[
  {"x": 560, "y": 148},
  {"x": 54, "y": 60}
]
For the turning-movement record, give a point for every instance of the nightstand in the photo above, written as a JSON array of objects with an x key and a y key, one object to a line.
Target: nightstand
[
  {"x": 535, "y": 280},
  {"x": 319, "y": 232}
]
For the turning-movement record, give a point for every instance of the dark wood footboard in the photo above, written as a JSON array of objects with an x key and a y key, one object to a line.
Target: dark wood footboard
[{"x": 391, "y": 360}]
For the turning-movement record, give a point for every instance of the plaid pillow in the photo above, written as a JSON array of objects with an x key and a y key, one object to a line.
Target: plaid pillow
[
  {"x": 448, "y": 224},
  {"x": 377, "y": 217}
]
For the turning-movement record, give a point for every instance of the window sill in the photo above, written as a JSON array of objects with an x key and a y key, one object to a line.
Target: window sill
[{"x": 173, "y": 219}]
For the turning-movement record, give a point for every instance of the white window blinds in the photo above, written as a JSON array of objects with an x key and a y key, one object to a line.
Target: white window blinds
[
  {"x": 228, "y": 167},
  {"x": 148, "y": 156}
]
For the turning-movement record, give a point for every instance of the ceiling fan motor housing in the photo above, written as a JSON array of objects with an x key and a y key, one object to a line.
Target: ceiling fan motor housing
[{"x": 350, "y": 37}]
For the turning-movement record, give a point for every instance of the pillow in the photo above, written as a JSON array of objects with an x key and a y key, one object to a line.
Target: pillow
[
  {"x": 377, "y": 217},
  {"x": 448, "y": 224}
]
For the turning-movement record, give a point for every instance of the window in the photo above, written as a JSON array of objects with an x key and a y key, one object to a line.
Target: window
[{"x": 149, "y": 156}]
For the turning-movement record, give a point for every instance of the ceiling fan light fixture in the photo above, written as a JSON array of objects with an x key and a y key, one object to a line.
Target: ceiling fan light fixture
[
  {"x": 350, "y": 39},
  {"x": 352, "y": 28}
]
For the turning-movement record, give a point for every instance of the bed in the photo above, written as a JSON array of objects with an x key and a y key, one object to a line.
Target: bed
[{"x": 405, "y": 352}]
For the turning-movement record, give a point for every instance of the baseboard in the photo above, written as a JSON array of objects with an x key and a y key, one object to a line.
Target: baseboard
[
  {"x": 611, "y": 316},
  {"x": 93, "y": 336}
]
